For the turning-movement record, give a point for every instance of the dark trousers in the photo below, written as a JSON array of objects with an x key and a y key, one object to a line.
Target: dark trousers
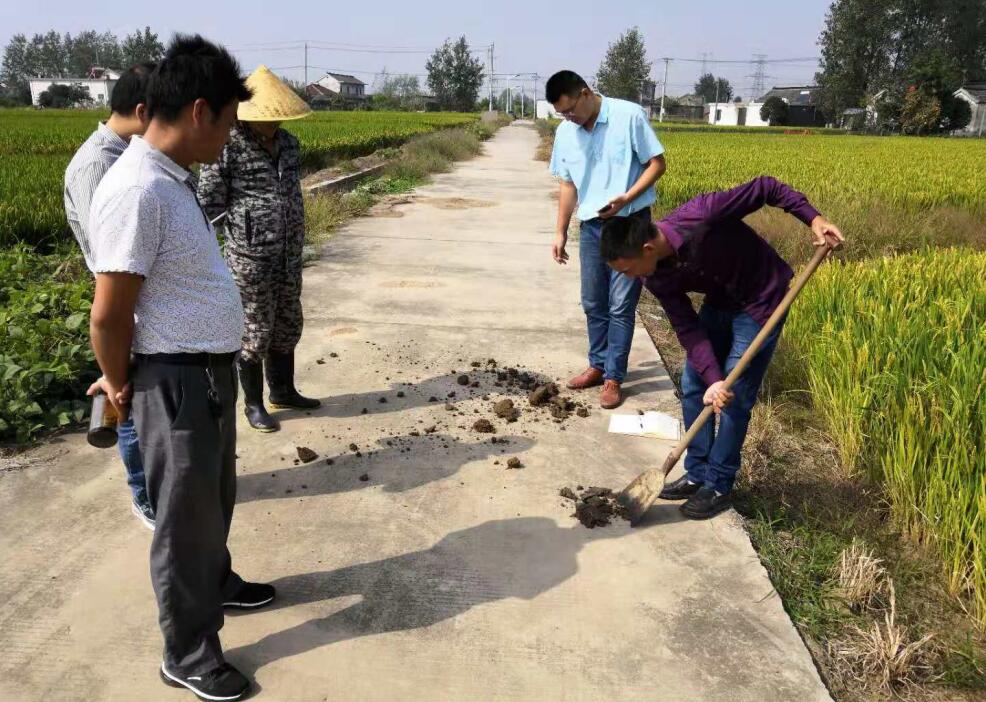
[{"x": 185, "y": 416}]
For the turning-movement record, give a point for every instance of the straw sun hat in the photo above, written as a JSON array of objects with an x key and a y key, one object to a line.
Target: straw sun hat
[{"x": 272, "y": 100}]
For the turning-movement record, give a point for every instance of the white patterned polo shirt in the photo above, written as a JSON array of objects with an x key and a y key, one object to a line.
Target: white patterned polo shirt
[{"x": 145, "y": 219}]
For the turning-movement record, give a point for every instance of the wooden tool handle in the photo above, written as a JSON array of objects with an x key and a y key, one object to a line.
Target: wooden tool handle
[{"x": 754, "y": 348}]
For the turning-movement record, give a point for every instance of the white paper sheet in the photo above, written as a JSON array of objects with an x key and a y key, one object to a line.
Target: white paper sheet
[{"x": 652, "y": 424}]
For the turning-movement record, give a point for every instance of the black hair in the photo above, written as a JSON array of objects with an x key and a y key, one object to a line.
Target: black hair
[
  {"x": 624, "y": 237},
  {"x": 131, "y": 89},
  {"x": 193, "y": 68},
  {"x": 563, "y": 83}
]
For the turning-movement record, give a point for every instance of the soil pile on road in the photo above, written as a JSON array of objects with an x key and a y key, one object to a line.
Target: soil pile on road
[{"x": 595, "y": 506}]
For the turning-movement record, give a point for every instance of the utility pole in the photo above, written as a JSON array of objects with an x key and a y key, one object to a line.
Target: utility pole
[
  {"x": 510, "y": 99},
  {"x": 491, "y": 77},
  {"x": 306, "y": 68},
  {"x": 715, "y": 114},
  {"x": 535, "y": 97},
  {"x": 664, "y": 87}
]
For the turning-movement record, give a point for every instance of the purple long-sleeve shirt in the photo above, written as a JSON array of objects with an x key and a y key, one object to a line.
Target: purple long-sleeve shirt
[{"x": 718, "y": 254}]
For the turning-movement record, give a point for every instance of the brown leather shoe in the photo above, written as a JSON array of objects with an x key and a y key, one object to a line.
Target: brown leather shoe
[
  {"x": 588, "y": 378},
  {"x": 610, "y": 397}
]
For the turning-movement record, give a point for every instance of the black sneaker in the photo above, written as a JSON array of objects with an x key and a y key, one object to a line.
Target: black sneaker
[
  {"x": 222, "y": 683},
  {"x": 680, "y": 489},
  {"x": 251, "y": 596},
  {"x": 143, "y": 512},
  {"x": 705, "y": 503}
]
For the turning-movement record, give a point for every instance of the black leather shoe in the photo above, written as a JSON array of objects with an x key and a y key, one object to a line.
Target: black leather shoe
[
  {"x": 705, "y": 503},
  {"x": 280, "y": 377},
  {"x": 680, "y": 489},
  {"x": 222, "y": 683},
  {"x": 251, "y": 596},
  {"x": 252, "y": 380}
]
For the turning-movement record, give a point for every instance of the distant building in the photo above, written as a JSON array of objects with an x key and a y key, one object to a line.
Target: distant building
[
  {"x": 336, "y": 89},
  {"x": 690, "y": 107},
  {"x": 545, "y": 109},
  {"x": 736, "y": 114},
  {"x": 802, "y": 105},
  {"x": 99, "y": 83},
  {"x": 975, "y": 95}
]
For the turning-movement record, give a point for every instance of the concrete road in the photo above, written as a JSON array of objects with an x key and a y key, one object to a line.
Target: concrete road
[{"x": 441, "y": 575}]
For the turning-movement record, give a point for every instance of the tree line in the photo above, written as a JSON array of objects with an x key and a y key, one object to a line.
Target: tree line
[{"x": 54, "y": 55}]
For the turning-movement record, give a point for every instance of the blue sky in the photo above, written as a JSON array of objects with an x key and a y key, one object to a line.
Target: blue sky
[{"x": 528, "y": 36}]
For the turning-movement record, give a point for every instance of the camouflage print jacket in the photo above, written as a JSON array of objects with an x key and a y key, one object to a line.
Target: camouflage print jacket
[{"x": 262, "y": 198}]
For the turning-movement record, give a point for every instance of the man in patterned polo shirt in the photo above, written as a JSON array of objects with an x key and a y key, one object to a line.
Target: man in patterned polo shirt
[
  {"x": 257, "y": 183},
  {"x": 164, "y": 293}
]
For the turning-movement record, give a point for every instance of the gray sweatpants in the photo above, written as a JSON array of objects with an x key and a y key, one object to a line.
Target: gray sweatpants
[{"x": 188, "y": 446}]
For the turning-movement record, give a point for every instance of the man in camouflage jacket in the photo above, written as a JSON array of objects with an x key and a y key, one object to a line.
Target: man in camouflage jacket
[{"x": 257, "y": 183}]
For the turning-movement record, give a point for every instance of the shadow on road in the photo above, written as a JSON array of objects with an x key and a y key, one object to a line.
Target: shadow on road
[{"x": 510, "y": 558}]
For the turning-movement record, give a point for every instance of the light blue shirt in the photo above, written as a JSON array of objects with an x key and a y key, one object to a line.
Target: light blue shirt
[{"x": 607, "y": 161}]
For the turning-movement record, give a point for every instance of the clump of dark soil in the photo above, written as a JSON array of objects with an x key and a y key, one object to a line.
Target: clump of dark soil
[
  {"x": 542, "y": 394},
  {"x": 504, "y": 409},
  {"x": 306, "y": 454},
  {"x": 484, "y": 426},
  {"x": 514, "y": 463},
  {"x": 595, "y": 506},
  {"x": 462, "y": 379}
]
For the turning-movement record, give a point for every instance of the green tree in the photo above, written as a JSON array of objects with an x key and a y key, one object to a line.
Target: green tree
[
  {"x": 873, "y": 45},
  {"x": 141, "y": 46},
  {"x": 921, "y": 112},
  {"x": 707, "y": 86},
  {"x": 47, "y": 56},
  {"x": 60, "y": 96},
  {"x": 454, "y": 76},
  {"x": 15, "y": 70},
  {"x": 624, "y": 68},
  {"x": 775, "y": 111},
  {"x": 82, "y": 52}
]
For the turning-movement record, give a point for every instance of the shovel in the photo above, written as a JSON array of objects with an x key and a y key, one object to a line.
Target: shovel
[{"x": 641, "y": 493}]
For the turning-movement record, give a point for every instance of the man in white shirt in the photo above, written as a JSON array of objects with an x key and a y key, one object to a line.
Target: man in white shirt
[{"x": 164, "y": 293}]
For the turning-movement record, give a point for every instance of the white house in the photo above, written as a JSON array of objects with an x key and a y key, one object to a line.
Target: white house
[
  {"x": 736, "y": 114},
  {"x": 975, "y": 95},
  {"x": 99, "y": 84},
  {"x": 545, "y": 109},
  {"x": 337, "y": 85}
]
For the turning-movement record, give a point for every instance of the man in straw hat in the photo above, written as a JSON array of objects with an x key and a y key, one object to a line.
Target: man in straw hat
[{"x": 257, "y": 183}]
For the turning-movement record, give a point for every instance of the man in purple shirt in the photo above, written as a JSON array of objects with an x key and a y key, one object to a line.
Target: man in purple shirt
[{"x": 705, "y": 247}]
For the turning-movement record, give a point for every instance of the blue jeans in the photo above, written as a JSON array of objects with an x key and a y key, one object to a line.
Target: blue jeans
[
  {"x": 130, "y": 453},
  {"x": 714, "y": 454},
  {"x": 609, "y": 300}
]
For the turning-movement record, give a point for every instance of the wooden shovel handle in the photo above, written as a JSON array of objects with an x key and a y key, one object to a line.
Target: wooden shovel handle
[{"x": 820, "y": 253}]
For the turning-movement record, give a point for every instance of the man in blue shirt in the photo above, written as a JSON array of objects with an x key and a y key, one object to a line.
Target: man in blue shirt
[{"x": 608, "y": 159}]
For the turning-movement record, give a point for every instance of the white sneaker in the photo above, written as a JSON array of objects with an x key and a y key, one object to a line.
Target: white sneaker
[{"x": 143, "y": 513}]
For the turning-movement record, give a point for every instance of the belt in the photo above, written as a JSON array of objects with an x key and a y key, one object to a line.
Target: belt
[{"x": 188, "y": 359}]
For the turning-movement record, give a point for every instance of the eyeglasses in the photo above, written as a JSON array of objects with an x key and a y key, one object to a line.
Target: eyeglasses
[{"x": 571, "y": 111}]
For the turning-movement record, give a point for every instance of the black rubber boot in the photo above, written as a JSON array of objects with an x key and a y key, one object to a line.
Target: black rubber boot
[
  {"x": 252, "y": 380},
  {"x": 280, "y": 378}
]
